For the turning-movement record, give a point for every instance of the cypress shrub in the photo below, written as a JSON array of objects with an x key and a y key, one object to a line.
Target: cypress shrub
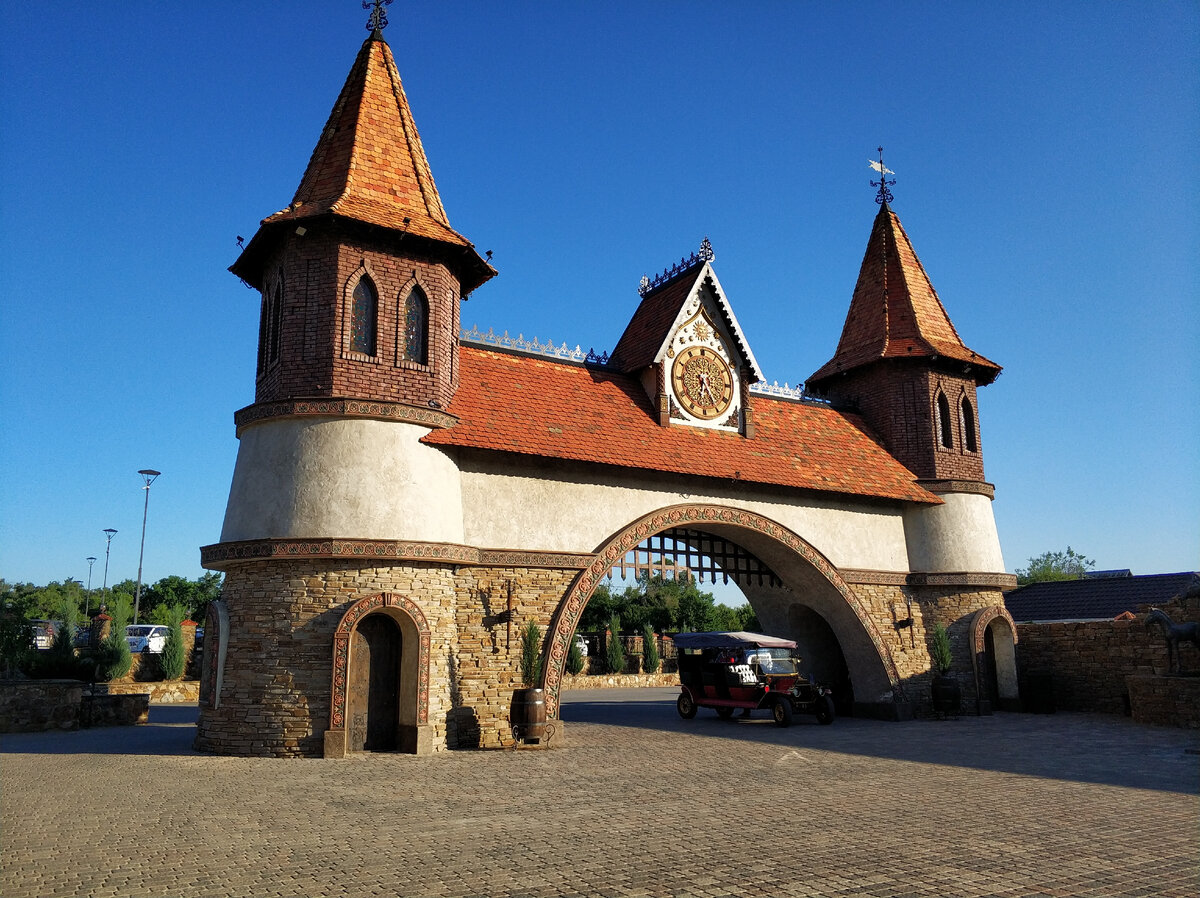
[
  {"x": 574, "y": 659},
  {"x": 939, "y": 650},
  {"x": 531, "y": 654},
  {"x": 649, "y": 650},
  {"x": 172, "y": 659},
  {"x": 614, "y": 652},
  {"x": 113, "y": 654}
]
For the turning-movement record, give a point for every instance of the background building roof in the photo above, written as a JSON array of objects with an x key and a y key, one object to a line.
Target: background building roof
[{"x": 1094, "y": 598}]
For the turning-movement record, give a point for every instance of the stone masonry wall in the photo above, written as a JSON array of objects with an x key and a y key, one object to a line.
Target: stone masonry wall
[{"x": 1088, "y": 661}]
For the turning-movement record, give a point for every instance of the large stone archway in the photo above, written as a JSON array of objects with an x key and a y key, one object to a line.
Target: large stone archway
[
  {"x": 415, "y": 735},
  {"x": 794, "y": 559}
]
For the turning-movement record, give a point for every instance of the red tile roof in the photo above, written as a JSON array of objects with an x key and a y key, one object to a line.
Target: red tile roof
[
  {"x": 647, "y": 329},
  {"x": 549, "y": 409},
  {"x": 369, "y": 165},
  {"x": 895, "y": 311}
]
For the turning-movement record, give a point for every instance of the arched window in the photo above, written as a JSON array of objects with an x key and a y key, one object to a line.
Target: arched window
[
  {"x": 276, "y": 323},
  {"x": 945, "y": 428},
  {"x": 363, "y": 316},
  {"x": 968, "y": 425},
  {"x": 264, "y": 318},
  {"x": 416, "y": 327}
]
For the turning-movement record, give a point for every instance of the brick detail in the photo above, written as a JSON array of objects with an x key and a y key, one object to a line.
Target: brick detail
[{"x": 319, "y": 271}]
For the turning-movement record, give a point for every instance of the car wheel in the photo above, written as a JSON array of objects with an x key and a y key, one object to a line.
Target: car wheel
[
  {"x": 782, "y": 712},
  {"x": 724, "y": 713},
  {"x": 824, "y": 709},
  {"x": 685, "y": 706}
]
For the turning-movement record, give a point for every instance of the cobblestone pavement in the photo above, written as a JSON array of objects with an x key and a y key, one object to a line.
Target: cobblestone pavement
[{"x": 640, "y": 803}]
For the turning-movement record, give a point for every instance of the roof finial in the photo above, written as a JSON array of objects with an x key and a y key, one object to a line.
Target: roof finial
[
  {"x": 378, "y": 20},
  {"x": 884, "y": 196}
]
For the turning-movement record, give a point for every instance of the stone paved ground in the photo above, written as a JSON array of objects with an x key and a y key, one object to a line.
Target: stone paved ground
[{"x": 641, "y": 803}]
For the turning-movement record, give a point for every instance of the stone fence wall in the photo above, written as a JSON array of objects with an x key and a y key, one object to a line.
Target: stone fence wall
[{"x": 1086, "y": 664}]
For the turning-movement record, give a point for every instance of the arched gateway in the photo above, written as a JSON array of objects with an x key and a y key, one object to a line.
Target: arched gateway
[
  {"x": 408, "y": 495},
  {"x": 805, "y": 567}
]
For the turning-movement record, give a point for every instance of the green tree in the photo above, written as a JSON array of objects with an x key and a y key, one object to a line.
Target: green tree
[
  {"x": 1049, "y": 566},
  {"x": 531, "y": 654},
  {"x": 113, "y": 654},
  {"x": 649, "y": 650},
  {"x": 614, "y": 650},
  {"x": 173, "y": 657},
  {"x": 16, "y": 631},
  {"x": 574, "y": 658}
]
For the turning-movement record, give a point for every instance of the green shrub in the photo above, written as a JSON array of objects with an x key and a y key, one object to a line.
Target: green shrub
[
  {"x": 939, "y": 650},
  {"x": 531, "y": 654},
  {"x": 173, "y": 656},
  {"x": 574, "y": 658},
  {"x": 113, "y": 654},
  {"x": 16, "y": 637},
  {"x": 614, "y": 651},
  {"x": 649, "y": 650}
]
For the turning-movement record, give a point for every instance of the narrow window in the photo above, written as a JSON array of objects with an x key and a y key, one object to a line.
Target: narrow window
[
  {"x": 945, "y": 431},
  {"x": 416, "y": 327},
  {"x": 362, "y": 317},
  {"x": 264, "y": 317},
  {"x": 276, "y": 323},
  {"x": 968, "y": 426}
]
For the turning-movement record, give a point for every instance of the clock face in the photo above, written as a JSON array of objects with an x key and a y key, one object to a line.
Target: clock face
[{"x": 703, "y": 382}]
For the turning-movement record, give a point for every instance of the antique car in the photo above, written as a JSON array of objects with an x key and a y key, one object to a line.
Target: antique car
[{"x": 746, "y": 671}]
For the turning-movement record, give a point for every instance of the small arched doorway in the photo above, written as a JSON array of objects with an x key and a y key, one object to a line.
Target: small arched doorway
[
  {"x": 373, "y": 700},
  {"x": 994, "y": 657},
  {"x": 379, "y": 700}
]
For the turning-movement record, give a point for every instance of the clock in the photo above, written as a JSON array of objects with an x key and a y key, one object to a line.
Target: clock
[{"x": 703, "y": 382}]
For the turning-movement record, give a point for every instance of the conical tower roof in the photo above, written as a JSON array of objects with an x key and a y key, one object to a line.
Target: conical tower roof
[
  {"x": 369, "y": 166},
  {"x": 895, "y": 311}
]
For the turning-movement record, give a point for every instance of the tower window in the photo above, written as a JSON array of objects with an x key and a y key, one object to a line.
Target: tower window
[
  {"x": 945, "y": 428},
  {"x": 968, "y": 426},
  {"x": 276, "y": 323},
  {"x": 416, "y": 328},
  {"x": 363, "y": 313}
]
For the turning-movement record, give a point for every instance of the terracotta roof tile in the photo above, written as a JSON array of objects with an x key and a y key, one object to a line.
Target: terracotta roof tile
[
  {"x": 895, "y": 312},
  {"x": 369, "y": 165},
  {"x": 541, "y": 407}
]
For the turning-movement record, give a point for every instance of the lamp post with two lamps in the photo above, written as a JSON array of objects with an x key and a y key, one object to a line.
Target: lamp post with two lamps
[{"x": 149, "y": 476}]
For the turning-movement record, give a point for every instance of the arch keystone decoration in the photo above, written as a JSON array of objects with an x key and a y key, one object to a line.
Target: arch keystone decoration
[
  {"x": 566, "y": 616},
  {"x": 399, "y": 608}
]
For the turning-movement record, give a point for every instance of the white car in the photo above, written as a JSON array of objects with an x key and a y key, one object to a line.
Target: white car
[
  {"x": 146, "y": 637},
  {"x": 582, "y": 643}
]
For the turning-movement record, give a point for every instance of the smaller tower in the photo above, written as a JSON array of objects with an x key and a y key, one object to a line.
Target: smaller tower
[{"x": 901, "y": 363}]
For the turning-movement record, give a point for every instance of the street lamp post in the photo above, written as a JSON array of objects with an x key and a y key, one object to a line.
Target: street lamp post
[
  {"x": 110, "y": 533},
  {"x": 149, "y": 476},
  {"x": 87, "y": 610}
]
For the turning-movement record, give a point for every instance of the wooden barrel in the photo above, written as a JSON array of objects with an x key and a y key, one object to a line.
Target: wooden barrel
[{"x": 529, "y": 714}]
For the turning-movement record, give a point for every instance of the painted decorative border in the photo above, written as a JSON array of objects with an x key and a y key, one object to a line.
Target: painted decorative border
[
  {"x": 964, "y": 578},
  {"x": 392, "y": 550},
  {"x": 341, "y": 653},
  {"x": 938, "y": 487},
  {"x": 216, "y": 641},
  {"x": 874, "y": 578},
  {"x": 341, "y": 408},
  {"x": 566, "y": 617}
]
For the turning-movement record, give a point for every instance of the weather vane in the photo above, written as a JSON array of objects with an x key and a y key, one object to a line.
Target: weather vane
[
  {"x": 884, "y": 195},
  {"x": 378, "y": 20}
]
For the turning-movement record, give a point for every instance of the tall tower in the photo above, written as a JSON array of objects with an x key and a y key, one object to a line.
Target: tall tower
[
  {"x": 902, "y": 364},
  {"x": 333, "y": 492}
]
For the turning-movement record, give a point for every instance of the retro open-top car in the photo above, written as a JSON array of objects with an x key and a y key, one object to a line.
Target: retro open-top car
[{"x": 729, "y": 671}]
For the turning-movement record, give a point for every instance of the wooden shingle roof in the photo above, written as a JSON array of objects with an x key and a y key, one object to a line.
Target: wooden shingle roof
[
  {"x": 895, "y": 312},
  {"x": 540, "y": 407}
]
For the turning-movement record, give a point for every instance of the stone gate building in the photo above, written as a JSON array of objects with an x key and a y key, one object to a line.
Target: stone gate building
[{"x": 405, "y": 498}]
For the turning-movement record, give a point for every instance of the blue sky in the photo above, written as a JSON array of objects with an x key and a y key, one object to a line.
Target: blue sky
[{"x": 1045, "y": 158}]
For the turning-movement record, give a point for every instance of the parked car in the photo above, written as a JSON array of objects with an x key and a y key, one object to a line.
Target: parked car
[
  {"x": 582, "y": 643},
  {"x": 43, "y": 634},
  {"x": 747, "y": 671},
  {"x": 146, "y": 637}
]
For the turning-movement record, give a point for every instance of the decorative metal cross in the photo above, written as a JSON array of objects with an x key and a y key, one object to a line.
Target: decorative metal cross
[
  {"x": 378, "y": 20},
  {"x": 884, "y": 195}
]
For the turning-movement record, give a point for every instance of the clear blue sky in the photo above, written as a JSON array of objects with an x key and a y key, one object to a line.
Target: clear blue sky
[{"x": 1046, "y": 164}]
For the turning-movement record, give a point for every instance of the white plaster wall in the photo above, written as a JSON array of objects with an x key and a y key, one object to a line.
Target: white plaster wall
[
  {"x": 337, "y": 477},
  {"x": 563, "y": 510},
  {"x": 957, "y": 536}
]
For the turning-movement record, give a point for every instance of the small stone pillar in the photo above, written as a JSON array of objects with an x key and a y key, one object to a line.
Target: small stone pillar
[
  {"x": 188, "y": 631},
  {"x": 99, "y": 630}
]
